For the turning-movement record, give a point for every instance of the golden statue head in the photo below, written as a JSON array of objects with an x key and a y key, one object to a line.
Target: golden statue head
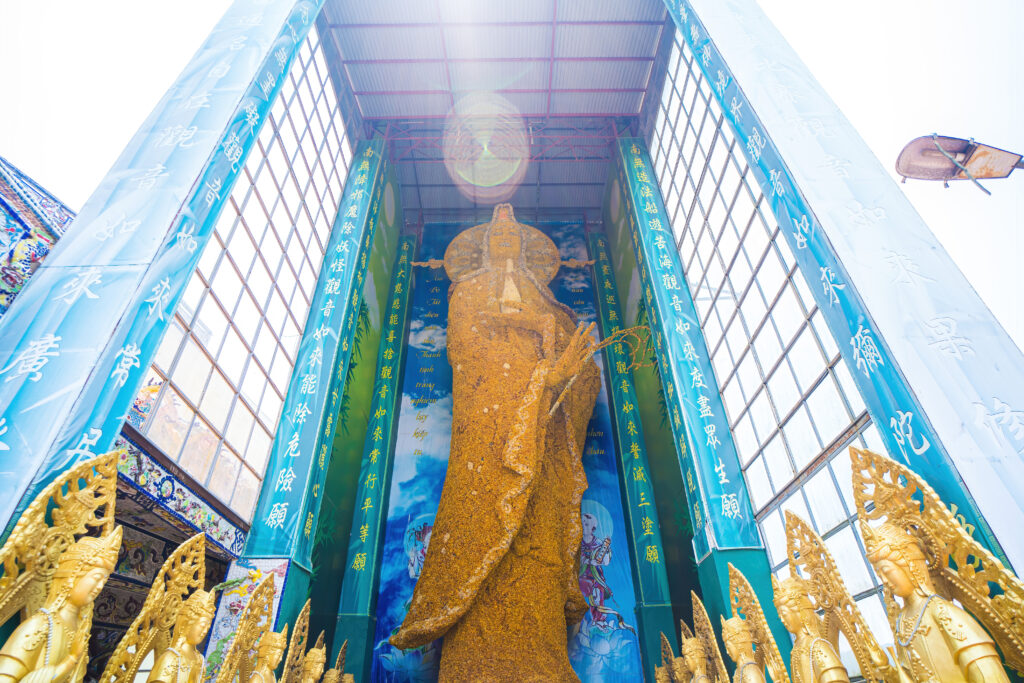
[
  {"x": 492, "y": 246},
  {"x": 793, "y": 603},
  {"x": 195, "y": 617},
  {"x": 898, "y": 559},
  {"x": 695, "y": 655},
  {"x": 271, "y": 648},
  {"x": 739, "y": 641},
  {"x": 313, "y": 665},
  {"x": 83, "y": 569}
]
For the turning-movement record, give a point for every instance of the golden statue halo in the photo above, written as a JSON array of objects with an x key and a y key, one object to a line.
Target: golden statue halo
[
  {"x": 467, "y": 253},
  {"x": 900, "y": 497},
  {"x": 746, "y": 605},
  {"x": 297, "y": 647},
  {"x": 182, "y": 573},
  {"x": 82, "y": 501},
  {"x": 715, "y": 667},
  {"x": 256, "y": 619}
]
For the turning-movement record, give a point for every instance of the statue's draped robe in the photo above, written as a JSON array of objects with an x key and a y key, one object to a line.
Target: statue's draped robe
[
  {"x": 27, "y": 649},
  {"x": 500, "y": 580},
  {"x": 943, "y": 656}
]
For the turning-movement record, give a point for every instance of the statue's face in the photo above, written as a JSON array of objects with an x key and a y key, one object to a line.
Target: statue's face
[
  {"x": 88, "y": 586},
  {"x": 738, "y": 648},
  {"x": 505, "y": 243},
  {"x": 896, "y": 577},
  {"x": 789, "y": 614},
  {"x": 694, "y": 658},
  {"x": 589, "y": 525},
  {"x": 198, "y": 629},
  {"x": 313, "y": 669}
]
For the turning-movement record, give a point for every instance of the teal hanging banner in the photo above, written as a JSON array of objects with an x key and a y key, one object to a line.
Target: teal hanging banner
[
  {"x": 652, "y": 581},
  {"x": 78, "y": 341},
  {"x": 654, "y": 604},
  {"x": 718, "y": 497},
  {"x": 358, "y": 591},
  {"x": 289, "y": 503}
]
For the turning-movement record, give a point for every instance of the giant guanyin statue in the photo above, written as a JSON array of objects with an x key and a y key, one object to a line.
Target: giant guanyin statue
[{"x": 499, "y": 581}]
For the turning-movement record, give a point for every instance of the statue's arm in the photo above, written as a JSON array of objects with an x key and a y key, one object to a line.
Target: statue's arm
[
  {"x": 828, "y": 668},
  {"x": 975, "y": 653}
]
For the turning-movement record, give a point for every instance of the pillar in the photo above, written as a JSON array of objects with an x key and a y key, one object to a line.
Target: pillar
[
  {"x": 723, "y": 520},
  {"x": 653, "y": 602}
]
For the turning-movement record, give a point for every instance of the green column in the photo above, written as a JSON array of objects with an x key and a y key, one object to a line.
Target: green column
[
  {"x": 356, "y": 619},
  {"x": 653, "y": 602},
  {"x": 724, "y": 527}
]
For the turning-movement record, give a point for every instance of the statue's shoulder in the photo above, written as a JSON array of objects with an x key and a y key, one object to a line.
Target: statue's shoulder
[
  {"x": 823, "y": 656},
  {"x": 29, "y": 637},
  {"x": 956, "y": 623}
]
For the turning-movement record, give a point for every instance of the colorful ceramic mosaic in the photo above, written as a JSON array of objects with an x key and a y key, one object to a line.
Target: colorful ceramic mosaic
[{"x": 179, "y": 505}]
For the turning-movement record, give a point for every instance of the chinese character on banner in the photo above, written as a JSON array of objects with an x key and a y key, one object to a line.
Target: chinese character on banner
[
  {"x": 30, "y": 362},
  {"x": 865, "y": 353},
  {"x": 127, "y": 358},
  {"x": 720, "y": 471},
  {"x": 830, "y": 286},
  {"x": 731, "y": 506},
  {"x": 651, "y": 554},
  {"x": 359, "y": 562},
  {"x": 277, "y": 515},
  {"x": 903, "y": 432},
  {"x": 284, "y": 480}
]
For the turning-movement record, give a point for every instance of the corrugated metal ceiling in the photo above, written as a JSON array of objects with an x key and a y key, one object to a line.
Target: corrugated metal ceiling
[{"x": 577, "y": 71}]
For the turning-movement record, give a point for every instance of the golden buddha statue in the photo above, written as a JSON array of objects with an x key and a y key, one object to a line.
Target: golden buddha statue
[
  {"x": 181, "y": 662},
  {"x": 269, "y": 654},
  {"x": 51, "y": 644},
  {"x": 808, "y": 556},
  {"x": 747, "y": 637},
  {"x": 927, "y": 559},
  {"x": 182, "y": 573},
  {"x": 504, "y": 582},
  {"x": 703, "y": 658},
  {"x": 314, "y": 662},
  {"x": 814, "y": 657}
]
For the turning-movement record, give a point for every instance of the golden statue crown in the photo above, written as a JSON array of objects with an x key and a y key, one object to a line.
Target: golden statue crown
[
  {"x": 198, "y": 605},
  {"x": 791, "y": 589},
  {"x": 887, "y": 540},
  {"x": 89, "y": 552},
  {"x": 736, "y": 629}
]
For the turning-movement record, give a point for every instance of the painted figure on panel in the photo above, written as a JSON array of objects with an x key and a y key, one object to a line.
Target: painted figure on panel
[
  {"x": 595, "y": 555},
  {"x": 50, "y": 645},
  {"x": 500, "y": 579}
]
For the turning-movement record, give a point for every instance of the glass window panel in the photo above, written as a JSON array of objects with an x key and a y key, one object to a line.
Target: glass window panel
[
  {"x": 240, "y": 426},
  {"x": 252, "y": 385},
  {"x": 874, "y": 614},
  {"x": 210, "y": 325},
  {"x": 806, "y": 360},
  {"x": 242, "y": 250},
  {"x": 847, "y": 554},
  {"x": 170, "y": 423},
  {"x": 849, "y": 388},
  {"x": 280, "y": 370},
  {"x": 767, "y": 347},
  {"x": 795, "y": 504},
  {"x": 746, "y": 441},
  {"x": 270, "y": 408},
  {"x": 787, "y": 315},
  {"x": 843, "y": 470},
  {"x": 191, "y": 371},
  {"x": 226, "y": 284},
  {"x": 246, "y": 489},
  {"x": 276, "y": 312},
  {"x": 259, "y": 446},
  {"x": 774, "y": 533},
  {"x": 266, "y": 343},
  {"x": 247, "y": 318},
  {"x": 826, "y": 503},
  {"x": 225, "y": 471},
  {"x": 198, "y": 452},
  {"x": 190, "y": 299},
  {"x": 828, "y": 342},
  {"x": 761, "y": 413},
  {"x": 803, "y": 443},
  {"x": 211, "y": 253},
  {"x": 169, "y": 346},
  {"x": 874, "y": 439},
  {"x": 232, "y": 357},
  {"x": 259, "y": 283},
  {"x": 757, "y": 483},
  {"x": 217, "y": 400},
  {"x": 748, "y": 374},
  {"x": 828, "y": 411},
  {"x": 779, "y": 465},
  {"x": 783, "y": 388}
]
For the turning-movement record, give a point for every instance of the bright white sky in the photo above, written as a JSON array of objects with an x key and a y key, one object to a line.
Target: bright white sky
[{"x": 82, "y": 76}]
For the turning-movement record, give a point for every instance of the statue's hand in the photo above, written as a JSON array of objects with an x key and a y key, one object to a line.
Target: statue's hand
[{"x": 575, "y": 354}]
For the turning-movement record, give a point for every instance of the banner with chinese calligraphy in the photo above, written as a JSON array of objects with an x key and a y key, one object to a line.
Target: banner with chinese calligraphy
[
  {"x": 647, "y": 549},
  {"x": 926, "y": 384},
  {"x": 76, "y": 344},
  {"x": 330, "y": 545},
  {"x": 353, "y": 609},
  {"x": 697, "y": 415},
  {"x": 604, "y": 646},
  {"x": 287, "y": 509}
]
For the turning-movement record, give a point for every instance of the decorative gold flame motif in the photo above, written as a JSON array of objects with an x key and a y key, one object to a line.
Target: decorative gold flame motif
[{"x": 297, "y": 646}]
